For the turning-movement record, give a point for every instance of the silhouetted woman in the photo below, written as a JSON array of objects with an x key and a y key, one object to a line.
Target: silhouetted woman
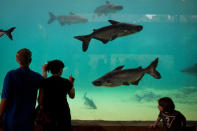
[{"x": 52, "y": 97}]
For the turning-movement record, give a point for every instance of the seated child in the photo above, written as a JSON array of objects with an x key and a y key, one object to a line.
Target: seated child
[{"x": 172, "y": 120}]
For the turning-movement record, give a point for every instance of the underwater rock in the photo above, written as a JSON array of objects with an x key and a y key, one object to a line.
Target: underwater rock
[
  {"x": 107, "y": 8},
  {"x": 67, "y": 19},
  {"x": 118, "y": 77},
  {"x": 109, "y": 33},
  {"x": 192, "y": 70},
  {"x": 7, "y": 32}
]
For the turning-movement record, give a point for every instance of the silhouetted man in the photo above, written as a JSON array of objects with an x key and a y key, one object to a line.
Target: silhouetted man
[{"x": 19, "y": 95}]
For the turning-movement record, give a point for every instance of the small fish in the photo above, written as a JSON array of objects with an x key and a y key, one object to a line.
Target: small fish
[
  {"x": 88, "y": 102},
  {"x": 107, "y": 8},
  {"x": 69, "y": 19},
  {"x": 119, "y": 77},
  {"x": 7, "y": 32},
  {"x": 109, "y": 33},
  {"x": 192, "y": 70}
]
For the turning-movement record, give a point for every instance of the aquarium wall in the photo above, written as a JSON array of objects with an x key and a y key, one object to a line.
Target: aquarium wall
[{"x": 49, "y": 29}]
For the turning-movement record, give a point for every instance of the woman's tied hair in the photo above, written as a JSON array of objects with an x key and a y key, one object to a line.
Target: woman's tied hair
[
  {"x": 54, "y": 66},
  {"x": 23, "y": 57}
]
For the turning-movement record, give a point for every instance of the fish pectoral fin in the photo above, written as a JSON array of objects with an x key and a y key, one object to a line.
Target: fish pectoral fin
[
  {"x": 61, "y": 23},
  {"x": 126, "y": 83},
  {"x": 103, "y": 40},
  {"x": 114, "y": 37},
  {"x": 137, "y": 82}
]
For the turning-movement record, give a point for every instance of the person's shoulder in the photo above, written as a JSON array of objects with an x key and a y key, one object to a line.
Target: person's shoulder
[
  {"x": 36, "y": 74},
  {"x": 177, "y": 112},
  {"x": 11, "y": 72},
  {"x": 64, "y": 79},
  {"x": 49, "y": 78}
]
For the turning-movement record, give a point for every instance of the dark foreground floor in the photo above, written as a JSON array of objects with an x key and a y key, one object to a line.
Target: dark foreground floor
[
  {"x": 119, "y": 128},
  {"x": 78, "y": 125}
]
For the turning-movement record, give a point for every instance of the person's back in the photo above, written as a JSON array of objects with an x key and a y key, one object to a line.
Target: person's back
[
  {"x": 52, "y": 98},
  {"x": 172, "y": 121},
  {"x": 56, "y": 89},
  {"x": 19, "y": 95},
  {"x": 20, "y": 90}
]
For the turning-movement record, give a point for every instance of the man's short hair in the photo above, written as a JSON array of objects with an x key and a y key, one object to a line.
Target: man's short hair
[{"x": 23, "y": 57}]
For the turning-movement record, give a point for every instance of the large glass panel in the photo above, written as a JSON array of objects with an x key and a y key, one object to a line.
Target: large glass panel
[{"x": 48, "y": 28}]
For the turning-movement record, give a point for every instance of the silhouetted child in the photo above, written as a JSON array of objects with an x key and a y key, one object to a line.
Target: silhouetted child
[{"x": 172, "y": 120}]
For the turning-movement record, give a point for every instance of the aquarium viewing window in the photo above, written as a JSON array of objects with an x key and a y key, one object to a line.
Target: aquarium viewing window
[{"x": 124, "y": 55}]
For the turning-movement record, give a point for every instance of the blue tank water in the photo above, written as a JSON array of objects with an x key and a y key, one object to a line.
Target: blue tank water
[{"x": 169, "y": 33}]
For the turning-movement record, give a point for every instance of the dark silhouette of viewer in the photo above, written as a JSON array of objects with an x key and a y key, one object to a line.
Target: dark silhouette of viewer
[
  {"x": 172, "y": 119},
  {"x": 19, "y": 95},
  {"x": 52, "y": 97}
]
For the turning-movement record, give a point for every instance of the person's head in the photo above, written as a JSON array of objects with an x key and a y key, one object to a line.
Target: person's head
[
  {"x": 23, "y": 57},
  {"x": 55, "y": 67},
  {"x": 166, "y": 104}
]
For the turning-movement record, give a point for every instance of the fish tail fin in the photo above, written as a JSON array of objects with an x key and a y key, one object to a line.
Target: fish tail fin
[
  {"x": 151, "y": 69},
  {"x": 9, "y": 32},
  {"x": 52, "y": 17},
  {"x": 85, "y": 39}
]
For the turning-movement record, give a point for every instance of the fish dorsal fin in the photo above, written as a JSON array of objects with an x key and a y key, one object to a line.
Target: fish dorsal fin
[
  {"x": 71, "y": 13},
  {"x": 118, "y": 68},
  {"x": 107, "y": 2},
  {"x": 113, "y": 22}
]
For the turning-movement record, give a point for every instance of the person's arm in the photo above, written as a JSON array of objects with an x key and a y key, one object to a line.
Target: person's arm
[
  {"x": 72, "y": 91},
  {"x": 44, "y": 72},
  {"x": 156, "y": 122},
  {"x": 40, "y": 97},
  {"x": 5, "y": 95},
  {"x": 2, "y": 109},
  {"x": 2, "y": 106},
  {"x": 41, "y": 91}
]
